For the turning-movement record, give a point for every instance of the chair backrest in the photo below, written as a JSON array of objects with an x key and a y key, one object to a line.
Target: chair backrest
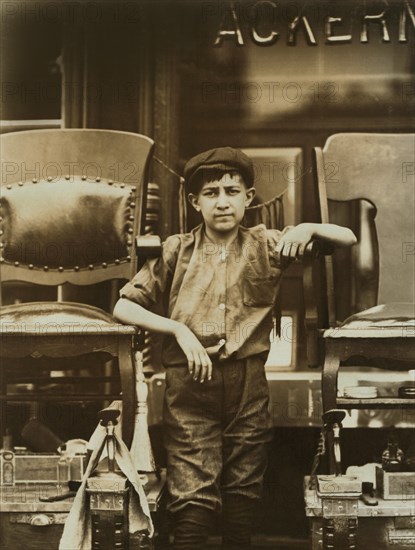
[
  {"x": 270, "y": 213},
  {"x": 278, "y": 172},
  {"x": 72, "y": 204},
  {"x": 376, "y": 173}
]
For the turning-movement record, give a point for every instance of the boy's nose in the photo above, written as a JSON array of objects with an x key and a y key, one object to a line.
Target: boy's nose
[{"x": 223, "y": 200}]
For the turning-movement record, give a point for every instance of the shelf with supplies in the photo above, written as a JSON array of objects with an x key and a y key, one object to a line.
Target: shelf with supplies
[
  {"x": 376, "y": 403},
  {"x": 295, "y": 399}
]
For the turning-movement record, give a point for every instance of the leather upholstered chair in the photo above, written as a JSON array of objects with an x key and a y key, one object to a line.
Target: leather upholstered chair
[
  {"x": 366, "y": 181},
  {"x": 72, "y": 207}
]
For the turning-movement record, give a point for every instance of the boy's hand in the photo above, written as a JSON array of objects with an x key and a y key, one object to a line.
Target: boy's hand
[
  {"x": 200, "y": 365},
  {"x": 293, "y": 243}
]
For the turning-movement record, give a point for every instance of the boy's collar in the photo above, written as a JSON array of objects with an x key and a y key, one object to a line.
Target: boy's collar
[{"x": 206, "y": 237}]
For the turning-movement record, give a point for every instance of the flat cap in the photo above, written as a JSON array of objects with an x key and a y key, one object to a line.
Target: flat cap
[{"x": 221, "y": 158}]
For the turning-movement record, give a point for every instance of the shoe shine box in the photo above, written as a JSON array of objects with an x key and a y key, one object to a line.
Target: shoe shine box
[{"x": 36, "y": 468}]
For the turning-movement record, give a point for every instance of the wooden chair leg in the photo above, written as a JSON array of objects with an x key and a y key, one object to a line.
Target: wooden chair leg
[
  {"x": 330, "y": 451},
  {"x": 127, "y": 376},
  {"x": 3, "y": 404},
  {"x": 329, "y": 380},
  {"x": 329, "y": 396}
]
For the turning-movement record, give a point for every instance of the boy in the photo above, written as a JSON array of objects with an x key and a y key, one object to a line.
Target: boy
[{"x": 217, "y": 285}]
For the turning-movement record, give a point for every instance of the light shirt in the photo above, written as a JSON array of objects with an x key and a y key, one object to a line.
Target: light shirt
[{"x": 224, "y": 295}]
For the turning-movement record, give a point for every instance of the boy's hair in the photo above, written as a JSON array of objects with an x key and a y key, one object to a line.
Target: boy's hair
[
  {"x": 212, "y": 174},
  {"x": 224, "y": 159}
]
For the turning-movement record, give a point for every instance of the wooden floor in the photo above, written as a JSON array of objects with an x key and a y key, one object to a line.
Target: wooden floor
[
  {"x": 258, "y": 543},
  {"x": 277, "y": 543}
]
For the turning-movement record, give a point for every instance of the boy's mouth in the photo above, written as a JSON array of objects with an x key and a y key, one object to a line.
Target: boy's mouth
[{"x": 223, "y": 215}]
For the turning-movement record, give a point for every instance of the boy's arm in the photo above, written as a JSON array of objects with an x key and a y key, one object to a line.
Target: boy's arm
[
  {"x": 131, "y": 313},
  {"x": 294, "y": 241}
]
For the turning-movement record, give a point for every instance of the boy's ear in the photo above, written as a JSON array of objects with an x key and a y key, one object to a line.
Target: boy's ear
[
  {"x": 250, "y": 194},
  {"x": 193, "y": 201}
]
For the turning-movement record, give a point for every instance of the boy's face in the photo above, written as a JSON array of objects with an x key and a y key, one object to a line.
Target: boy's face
[{"x": 222, "y": 202}]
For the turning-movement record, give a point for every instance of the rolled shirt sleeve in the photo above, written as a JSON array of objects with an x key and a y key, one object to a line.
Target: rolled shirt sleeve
[{"x": 149, "y": 286}]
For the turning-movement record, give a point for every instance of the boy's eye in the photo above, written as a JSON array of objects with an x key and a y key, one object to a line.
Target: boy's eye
[
  {"x": 233, "y": 191},
  {"x": 209, "y": 193}
]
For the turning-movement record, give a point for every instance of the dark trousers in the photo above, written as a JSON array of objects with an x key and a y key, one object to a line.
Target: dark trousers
[{"x": 216, "y": 434}]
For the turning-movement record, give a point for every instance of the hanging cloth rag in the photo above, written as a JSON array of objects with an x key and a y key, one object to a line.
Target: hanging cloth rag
[{"x": 77, "y": 531}]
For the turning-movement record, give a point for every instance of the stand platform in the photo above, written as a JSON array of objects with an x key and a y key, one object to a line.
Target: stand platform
[
  {"x": 390, "y": 524},
  {"x": 26, "y": 522}
]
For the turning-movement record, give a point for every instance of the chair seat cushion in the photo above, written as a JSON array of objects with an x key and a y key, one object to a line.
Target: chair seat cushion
[
  {"x": 395, "y": 320},
  {"x": 59, "y": 318}
]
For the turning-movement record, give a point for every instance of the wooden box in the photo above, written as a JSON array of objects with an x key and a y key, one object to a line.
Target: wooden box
[
  {"x": 395, "y": 485},
  {"x": 389, "y": 525},
  {"x": 26, "y": 523},
  {"x": 35, "y": 468}
]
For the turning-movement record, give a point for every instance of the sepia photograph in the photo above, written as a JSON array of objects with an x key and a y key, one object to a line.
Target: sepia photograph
[{"x": 207, "y": 274}]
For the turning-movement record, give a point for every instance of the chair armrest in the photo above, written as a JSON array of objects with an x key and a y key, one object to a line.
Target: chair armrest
[
  {"x": 147, "y": 246},
  {"x": 317, "y": 248}
]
